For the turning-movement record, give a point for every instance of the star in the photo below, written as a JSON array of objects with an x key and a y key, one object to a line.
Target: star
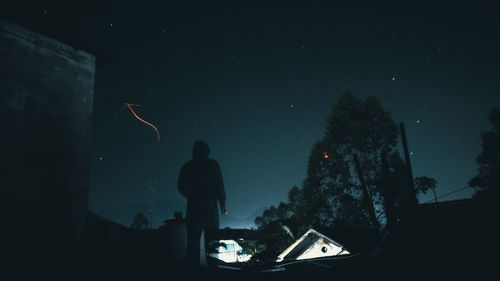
[
  {"x": 110, "y": 25},
  {"x": 393, "y": 78},
  {"x": 291, "y": 106},
  {"x": 418, "y": 122}
]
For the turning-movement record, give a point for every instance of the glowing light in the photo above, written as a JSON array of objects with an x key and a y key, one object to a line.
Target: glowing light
[
  {"x": 322, "y": 249},
  {"x": 315, "y": 245},
  {"x": 325, "y": 155},
  {"x": 142, "y": 120},
  {"x": 231, "y": 253}
]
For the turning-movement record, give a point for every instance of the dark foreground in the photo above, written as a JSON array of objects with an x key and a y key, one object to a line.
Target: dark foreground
[{"x": 436, "y": 241}]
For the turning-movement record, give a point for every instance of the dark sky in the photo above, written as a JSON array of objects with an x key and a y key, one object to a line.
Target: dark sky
[{"x": 255, "y": 80}]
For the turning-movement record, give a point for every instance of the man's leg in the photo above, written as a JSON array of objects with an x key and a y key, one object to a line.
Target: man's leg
[
  {"x": 211, "y": 234},
  {"x": 211, "y": 229},
  {"x": 193, "y": 244}
]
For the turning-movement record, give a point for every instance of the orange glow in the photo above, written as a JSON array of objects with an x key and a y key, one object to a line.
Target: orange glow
[
  {"x": 325, "y": 155},
  {"x": 143, "y": 121}
]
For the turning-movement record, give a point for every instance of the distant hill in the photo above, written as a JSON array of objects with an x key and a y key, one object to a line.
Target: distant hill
[
  {"x": 165, "y": 209},
  {"x": 248, "y": 222}
]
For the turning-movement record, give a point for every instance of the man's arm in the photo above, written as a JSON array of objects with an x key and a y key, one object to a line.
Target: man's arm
[
  {"x": 219, "y": 185},
  {"x": 182, "y": 183}
]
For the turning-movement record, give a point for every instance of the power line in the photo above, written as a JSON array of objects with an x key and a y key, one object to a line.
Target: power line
[{"x": 449, "y": 193}]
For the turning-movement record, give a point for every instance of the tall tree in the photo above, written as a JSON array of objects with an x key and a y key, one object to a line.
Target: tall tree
[
  {"x": 354, "y": 127},
  {"x": 336, "y": 191},
  {"x": 487, "y": 181}
]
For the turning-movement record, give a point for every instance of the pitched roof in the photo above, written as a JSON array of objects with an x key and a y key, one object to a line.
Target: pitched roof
[{"x": 312, "y": 245}]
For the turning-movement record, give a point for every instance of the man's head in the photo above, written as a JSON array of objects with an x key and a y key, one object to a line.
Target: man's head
[{"x": 200, "y": 150}]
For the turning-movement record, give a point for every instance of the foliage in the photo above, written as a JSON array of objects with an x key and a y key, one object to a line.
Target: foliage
[
  {"x": 487, "y": 181},
  {"x": 140, "y": 221},
  {"x": 278, "y": 238},
  {"x": 424, "y": 184},
  {"x": 332, "y": 193},
  {"x": 332, "y": 190},
  {"x": 280, "y": 213},
  {"x": 250, "y": 247}
]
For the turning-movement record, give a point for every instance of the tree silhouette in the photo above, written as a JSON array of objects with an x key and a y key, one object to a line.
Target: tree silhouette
[
  {"x": 140, "y": 221},
  {"x": 423, "y": 184},
  {"x": 336, "y": 188},
  {"x": 487, "y": 181},
  {"x": 282, "y": 212},
  {"x": 353, "y": 172}
]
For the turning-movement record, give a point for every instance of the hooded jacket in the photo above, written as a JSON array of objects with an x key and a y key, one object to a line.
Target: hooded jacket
[{"x": 200, "y": 181}]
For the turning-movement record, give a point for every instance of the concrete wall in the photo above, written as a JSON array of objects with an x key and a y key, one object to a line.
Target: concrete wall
[{"x": 46, "y": 99}]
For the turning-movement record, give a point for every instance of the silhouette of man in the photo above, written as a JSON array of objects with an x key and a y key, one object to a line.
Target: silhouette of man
[{"x": 200, "y": 181}]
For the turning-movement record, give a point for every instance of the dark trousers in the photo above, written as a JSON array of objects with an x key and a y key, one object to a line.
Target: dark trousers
[{"x": 194, "y": 231}]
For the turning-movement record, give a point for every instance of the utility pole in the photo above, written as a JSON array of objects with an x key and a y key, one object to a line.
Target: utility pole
[
  {"x": 366, "y": 195},
  {"x": 409, "y": 198}
]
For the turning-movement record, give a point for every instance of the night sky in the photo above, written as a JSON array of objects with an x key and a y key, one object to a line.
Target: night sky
[{"x": 255, "y": 80}]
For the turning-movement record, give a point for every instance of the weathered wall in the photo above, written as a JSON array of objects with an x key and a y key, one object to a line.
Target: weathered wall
[{"x": 46, "y": 98}]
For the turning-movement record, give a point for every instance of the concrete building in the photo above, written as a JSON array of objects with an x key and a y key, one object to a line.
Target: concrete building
[{"x": 46, "y": 100}]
